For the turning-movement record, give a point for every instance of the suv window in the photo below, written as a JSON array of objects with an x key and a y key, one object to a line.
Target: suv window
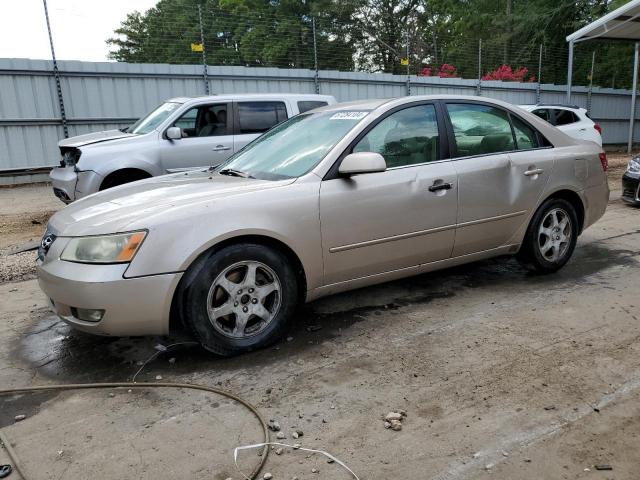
[
  {"x": 565, "y": 117},
  {"x": 306, "y": 105},
  {"x": 406, "y": 137},
  {"x": 480, "y": 129},
  {"x": 204, "y": 121},
  {"x": 526, "y": 137},
  {"x": 543, "y": 113},
  {"x": 258, "y": 117}
]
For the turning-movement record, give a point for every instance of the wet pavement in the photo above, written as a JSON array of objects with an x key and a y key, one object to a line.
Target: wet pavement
[{"x": 475, "y": 354}]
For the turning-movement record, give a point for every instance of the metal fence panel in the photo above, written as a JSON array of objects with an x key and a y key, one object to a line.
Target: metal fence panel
[{"x": 100, "y": 96}]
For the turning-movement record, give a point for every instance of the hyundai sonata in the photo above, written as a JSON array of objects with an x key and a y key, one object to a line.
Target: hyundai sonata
[{"x": 333, "y": 199}]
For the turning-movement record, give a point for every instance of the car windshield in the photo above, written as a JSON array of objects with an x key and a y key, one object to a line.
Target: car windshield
[
  {"x": 149, "y": 122},
  {"x": 294, "y": 147}
]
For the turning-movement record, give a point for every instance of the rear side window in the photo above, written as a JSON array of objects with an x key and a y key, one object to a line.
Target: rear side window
[
  {"x": 480, "y": 129},
  {"x": 306, "y": 105},
  {"x": 258, "y": 117},
  {"x": 526, "y": 137},
  {"x": 565, "y": 117}
]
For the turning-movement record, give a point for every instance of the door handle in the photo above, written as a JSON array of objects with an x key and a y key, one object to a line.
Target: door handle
[
  {"x": 533, "y": 171},
  {"x": 440, "y": 186},
  {"x": 220, "y": 148}
]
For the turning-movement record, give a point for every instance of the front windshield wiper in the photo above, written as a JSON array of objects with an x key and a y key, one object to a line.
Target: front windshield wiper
[{"x": 234, "y": 173}]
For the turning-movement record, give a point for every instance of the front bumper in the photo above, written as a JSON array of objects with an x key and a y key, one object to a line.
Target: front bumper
[
  {"x": 132, "y": 306},
  {"x": 631, "y": 188},
  {"x": 70, "y": 184}
]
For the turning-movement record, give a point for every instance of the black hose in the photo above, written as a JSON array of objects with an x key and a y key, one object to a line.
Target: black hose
[{"x": 85, "y": 386}]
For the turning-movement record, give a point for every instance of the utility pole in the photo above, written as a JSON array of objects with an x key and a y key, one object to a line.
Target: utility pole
[
  {"x": 507, "y": 41},
  {"x": 408, "y": 66},
  {"x": 56, "y": 74},
  {"x": 205, "y": 73},
  {"x": 316, "y": 80},
  {"x": 593, "y": 61},
  {"x": 539, "y": 75},
  {"x": 479, "y": 86}
]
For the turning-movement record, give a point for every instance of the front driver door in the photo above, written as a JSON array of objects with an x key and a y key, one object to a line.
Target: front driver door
[
  {"x": 400, "y": 218},
  {"x": 207, "y": 138}
]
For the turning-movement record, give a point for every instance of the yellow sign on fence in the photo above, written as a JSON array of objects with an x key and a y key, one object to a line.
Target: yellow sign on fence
[
  {"x": 197, "y": 47},
  {"x": 404, "y": 61}
]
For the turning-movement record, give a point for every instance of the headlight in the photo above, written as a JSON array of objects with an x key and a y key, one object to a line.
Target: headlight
[
  {"x": 118, "y": 248},
  {"x": 70, "y": 157},
  {"x": 634, "y": 165}
]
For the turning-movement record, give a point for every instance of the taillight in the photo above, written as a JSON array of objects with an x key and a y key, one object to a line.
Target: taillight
[
  {"x": 598, "y": 128},
  {"x": 603, "y": 161}
]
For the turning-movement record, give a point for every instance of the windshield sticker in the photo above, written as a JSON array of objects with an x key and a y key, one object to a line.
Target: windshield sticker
[{"x": 348, "y": 116}]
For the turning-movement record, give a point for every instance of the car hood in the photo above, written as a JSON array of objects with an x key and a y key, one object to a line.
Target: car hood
[
  {"x": 156, "y": 200},
  {"x": 89, "y": 138}
]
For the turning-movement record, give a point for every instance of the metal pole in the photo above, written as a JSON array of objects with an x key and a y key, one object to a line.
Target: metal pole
[
  {"x": 633, "y": 98},
  {"x": 316, "y": 80},
  {"x": 569, "y": 72},
  {"x": 593, "y": 61},
  {"x": 408, "y": 66},
  {"x": 205, "y": 73},
  {"x": 56, "y": 75},
  {"x": 539, "y": 75},
  {"x": 479, "y": 86}
]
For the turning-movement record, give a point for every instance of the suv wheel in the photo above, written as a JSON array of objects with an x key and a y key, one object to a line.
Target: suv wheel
[
  {"x": 551, "y": 236},
  {"x": 241, "y": 298}
]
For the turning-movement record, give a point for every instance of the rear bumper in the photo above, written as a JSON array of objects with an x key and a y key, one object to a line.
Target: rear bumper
[
  {"x": 596, "y": 199},
  {"x": 631, "y": 188},
  {"x": 132, "y": 306}
]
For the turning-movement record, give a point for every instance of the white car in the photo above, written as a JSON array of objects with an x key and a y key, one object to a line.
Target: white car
[
  {"x": 180, "y": 134},
  {"x": 571, "y": 119}
]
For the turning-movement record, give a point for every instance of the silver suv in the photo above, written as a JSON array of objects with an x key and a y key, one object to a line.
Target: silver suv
[{"x": 181, "y": 134}]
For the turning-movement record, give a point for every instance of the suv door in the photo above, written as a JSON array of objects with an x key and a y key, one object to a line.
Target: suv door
[
  {"x": 255, "y": 117},
  {"x": 207, "y": 138},
  {"x": 396, "y": 219},
  {"x": 502, "y": 170}
]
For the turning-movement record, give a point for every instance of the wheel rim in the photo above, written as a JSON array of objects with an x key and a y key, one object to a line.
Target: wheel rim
[
  {"x": 244, "y": 299},
  {"x": 554, "y": 235}
]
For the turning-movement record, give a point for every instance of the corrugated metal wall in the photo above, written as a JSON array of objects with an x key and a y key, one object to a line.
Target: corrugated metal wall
[{"x": 100, "y": 96}]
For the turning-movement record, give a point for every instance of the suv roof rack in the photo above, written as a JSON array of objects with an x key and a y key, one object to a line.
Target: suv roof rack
[{"x": 576, "y": 107}]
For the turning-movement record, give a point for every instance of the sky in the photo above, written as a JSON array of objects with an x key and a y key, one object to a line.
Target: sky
[{"x": 79, "y": 27}]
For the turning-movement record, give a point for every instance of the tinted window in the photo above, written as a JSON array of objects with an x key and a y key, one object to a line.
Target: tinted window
[
  {"x": 480, "y": 129},
  {"x": 258, "y": 117},
  {"x": 543, "y": 113},
  {"x": 564, "y": 117},
  {"x": 526, "y": 137},
  {"x": 306, "y": 105},
  {"x": 406, "y": 137},
  {"x": 204, "y": 121}
]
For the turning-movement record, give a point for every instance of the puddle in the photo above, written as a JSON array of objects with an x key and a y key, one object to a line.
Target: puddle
[{"x": 58, "y": 352}]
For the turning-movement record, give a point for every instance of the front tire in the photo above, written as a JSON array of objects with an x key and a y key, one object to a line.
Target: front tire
[
  {"x": 551, "y": 237},
  {"x": 241, "y": 298}
]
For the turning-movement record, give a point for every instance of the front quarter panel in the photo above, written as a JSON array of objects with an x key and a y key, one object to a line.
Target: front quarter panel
[{"x": 289, "y": 214}]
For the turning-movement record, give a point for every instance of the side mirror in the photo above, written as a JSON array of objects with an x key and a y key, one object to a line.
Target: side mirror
[
  {"x": 362, "y": 162},
  {"x": 174, "y": 133}
]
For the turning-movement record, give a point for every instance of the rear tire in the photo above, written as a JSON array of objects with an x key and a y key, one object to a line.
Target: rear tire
[
  {"x": 241, "y": 298},
  {"x": 551, "y": 237}
]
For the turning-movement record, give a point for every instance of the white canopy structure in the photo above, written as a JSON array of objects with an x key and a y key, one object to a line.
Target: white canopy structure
[{"x": 621, "y": 24}]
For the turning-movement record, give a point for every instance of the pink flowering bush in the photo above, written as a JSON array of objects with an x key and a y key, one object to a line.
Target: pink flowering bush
[
  {"x": 506, "y": 74},
  {"x": 446, "y": 70}
]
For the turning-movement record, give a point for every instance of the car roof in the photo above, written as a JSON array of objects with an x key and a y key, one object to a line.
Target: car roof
[
  {"x": 557, "y": 106},
  {"x": 251, "y": 96}
]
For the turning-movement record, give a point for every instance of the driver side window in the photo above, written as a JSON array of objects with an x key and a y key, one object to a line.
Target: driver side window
[
  {"x": 204, "y": 121},
  {"x": 406, "y": 137}
]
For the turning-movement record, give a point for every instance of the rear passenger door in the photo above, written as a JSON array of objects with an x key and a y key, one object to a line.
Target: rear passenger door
[
  {"x": 253, "y": 118},
  {"x": 502, "y": 166}
]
